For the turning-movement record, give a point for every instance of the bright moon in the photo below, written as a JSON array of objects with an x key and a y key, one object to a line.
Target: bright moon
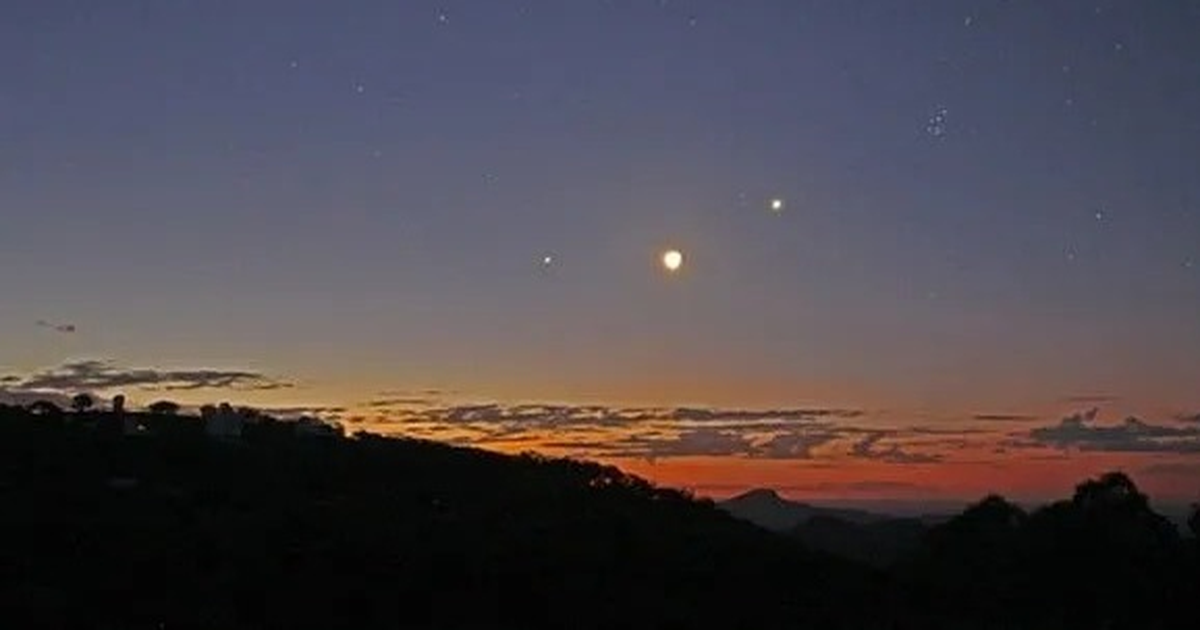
[
  {"x": 776, "y": 205},
  {"x": 672, "y": 259}
]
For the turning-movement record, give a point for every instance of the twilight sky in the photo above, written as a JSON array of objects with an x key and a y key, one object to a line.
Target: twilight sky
[{"x": 445, "y": 219}]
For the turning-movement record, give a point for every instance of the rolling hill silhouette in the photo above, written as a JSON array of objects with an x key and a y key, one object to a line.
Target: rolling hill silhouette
[
  {"x": 280, "y": 530},
  {"x": 143, "y": 521}
]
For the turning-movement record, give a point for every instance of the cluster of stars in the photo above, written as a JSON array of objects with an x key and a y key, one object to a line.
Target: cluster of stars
[{"x": 936, "y": 125}]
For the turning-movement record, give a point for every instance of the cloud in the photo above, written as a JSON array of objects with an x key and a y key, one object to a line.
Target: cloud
[
  {"x": 1079, "y": 431},
  {"x": 689, "y": 443},
  {"x": 384, "y": 403},
  {"x": 103, "y": 375},
  {"x": 23, "y": 398},
  {"x": 1194, "y": 418},
  {"x": 292, "y": 412},
  {"x": 62, "y": 328},
  {"x": 1004, "y": 417},
  {"x": 558, "y": 415},
  {"x": 694, "y": 414},
  {"x": 868, "y": 448},
  {"x": 794, "y": 445},
  {"x": 599, "y": 431},
  {"x": 797, "y": 444}
]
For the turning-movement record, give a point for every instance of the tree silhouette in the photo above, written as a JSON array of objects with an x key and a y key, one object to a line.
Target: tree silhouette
[
  {"x": 82, "y": 402},
  {"x": 1113, "y": 490},
  {"x": 1194, "y": 521},
  {"x": 44, "y": 408},
  {"x": 164, "y": 408}
]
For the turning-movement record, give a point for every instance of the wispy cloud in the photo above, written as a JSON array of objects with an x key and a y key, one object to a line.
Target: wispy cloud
[
  {"x": 704, "y": 414},
  {"x": 559, "y": 415},
  {"x": 1004, "y": 417},
  {"x": 104, "y": 375},
  {"x": 1081, "y": 432},
  {"x": 797, "y": 444},
  {"x": 783, "y": 433},
  {"x": 869, "y": 448},
  {"x": 314, "y": 410},
  {"x": 399, "y": 401},
  {"x": 62, "y": 328},
  {"x": 23, "y": 398}
]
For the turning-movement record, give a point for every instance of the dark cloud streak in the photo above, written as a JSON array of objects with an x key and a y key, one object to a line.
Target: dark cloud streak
[
  {"x": 62, "y": 328},
  {"x": 103, "y": 375},
  {"x": 1079, "y": 431},
  {"x": 1003, "y": 417}
]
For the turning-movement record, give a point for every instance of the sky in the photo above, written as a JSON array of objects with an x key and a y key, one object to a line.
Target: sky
[{"x": 930, "y": 250}]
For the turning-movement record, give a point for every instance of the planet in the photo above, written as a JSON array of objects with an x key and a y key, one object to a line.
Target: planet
[{"x": 672, "y": 260}]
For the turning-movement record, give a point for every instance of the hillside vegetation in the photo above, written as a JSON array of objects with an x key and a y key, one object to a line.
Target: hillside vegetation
[{"x": 167, "y": 528}]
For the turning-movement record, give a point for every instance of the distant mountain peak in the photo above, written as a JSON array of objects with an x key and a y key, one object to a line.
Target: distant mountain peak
[
  {"x": 760, "y": 494},
  {"x": 766, "y": 508}
]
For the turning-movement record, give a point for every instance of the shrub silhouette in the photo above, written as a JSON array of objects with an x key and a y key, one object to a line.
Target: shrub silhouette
[
  {"x": 163, "y": 408},
  {"x": 45, "y": 408},
  {"x": 82, "y": 402}
]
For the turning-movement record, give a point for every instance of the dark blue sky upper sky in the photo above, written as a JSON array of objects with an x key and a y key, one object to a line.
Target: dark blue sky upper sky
[{"x": 987, "y": 203}]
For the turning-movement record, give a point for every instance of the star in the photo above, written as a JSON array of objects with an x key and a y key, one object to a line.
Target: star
[
  {"x": 936, "y": 126},
  {"x": 777, "y": 205}
]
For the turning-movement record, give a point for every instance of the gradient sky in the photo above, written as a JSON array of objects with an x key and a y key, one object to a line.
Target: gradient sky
[{"x": 991, "y": 228}]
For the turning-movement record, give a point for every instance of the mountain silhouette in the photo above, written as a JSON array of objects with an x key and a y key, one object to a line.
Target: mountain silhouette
[{"x": 765, "y": 508}]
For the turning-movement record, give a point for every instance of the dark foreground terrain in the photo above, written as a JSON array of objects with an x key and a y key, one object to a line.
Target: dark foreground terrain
[{"x": 168, "y": 528}]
